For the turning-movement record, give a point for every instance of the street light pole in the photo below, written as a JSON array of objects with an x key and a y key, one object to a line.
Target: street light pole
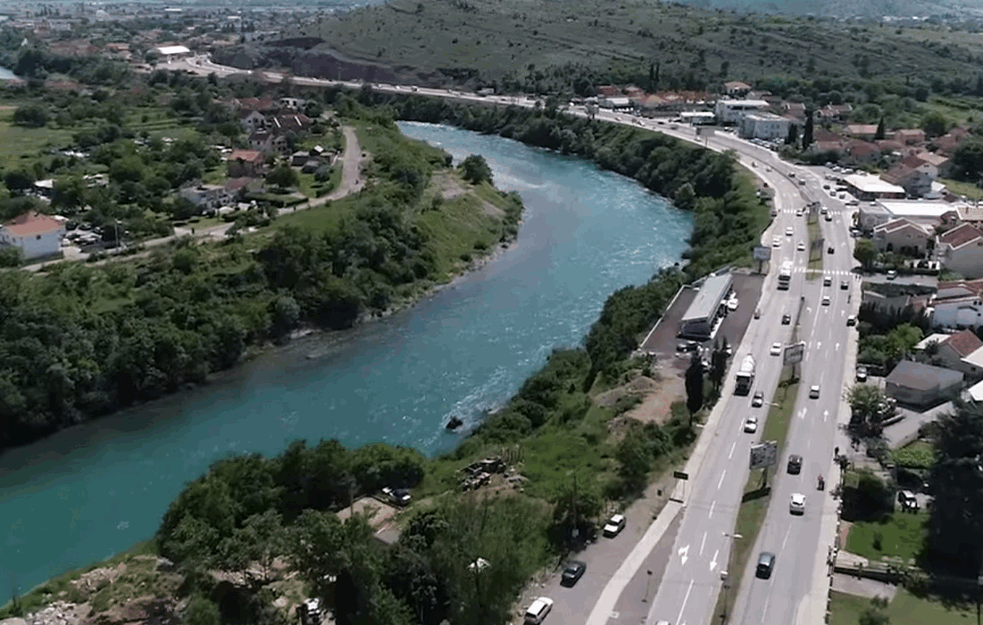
[
  {"x": 648, "y": 582},
  {"x": 723, "y": 578}
]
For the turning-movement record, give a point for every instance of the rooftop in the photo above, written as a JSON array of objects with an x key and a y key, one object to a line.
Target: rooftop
[
  {"x": 712, "y": 292},
  {"x": 975, "y": 392},
  {"x": 749, "y": 103},
  {"x": 931, "y": 338},
  {"x": 960, "y": 235},
  {"x": 975, "y": 359},
  {"x": 32, "y": 223},
  {"x": 922, "y": 377},
  {"x": 169, "y": 50},
  {"x": 872, "y": 184},
  {"x": 963, "y": 343},
  {"x": 932, "y": 209}
]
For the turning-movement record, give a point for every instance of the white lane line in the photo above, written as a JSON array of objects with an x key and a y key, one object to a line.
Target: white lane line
[
  {"x": 819, "y": 345},
  {"x": 825, "y": 415},
  {"x": 785, "y": 540},
  {"x": 703, "y": 543},
  {"x": 712, "y": 504},
  {"x": 732, "y": 447},
  {"x": 765, "y": 611},
  {"x": 679, "y": 619},
  {"x": 802, "y": 413},
  {"x": 721, "y": 479}
]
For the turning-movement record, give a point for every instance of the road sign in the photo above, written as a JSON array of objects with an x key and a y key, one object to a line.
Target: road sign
[
  {"x": 762, "y": 253},
  {"x": 764, "y": 455},
  {"x": 679, "y": 475},
  {"x": 794, "y": 353}
]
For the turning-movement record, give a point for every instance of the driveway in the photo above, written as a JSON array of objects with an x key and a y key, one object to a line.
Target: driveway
[{"x": 906, "y": 430}]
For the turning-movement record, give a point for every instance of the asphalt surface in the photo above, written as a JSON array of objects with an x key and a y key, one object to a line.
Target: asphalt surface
[{"x": 688, "y": 589}]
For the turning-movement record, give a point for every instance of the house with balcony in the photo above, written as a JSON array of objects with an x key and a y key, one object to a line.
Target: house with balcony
[
  {"x": 915, "y": 181},
  {"x": 961, "y": 250},
  {"x": 957, "y": 305},
  {"x": 904, "y": 237},
  {"x": 34, "y": 234},
  {"x": 961, "y": 351},
  {"x": 207, "y": 196},
  {"x": 252, "y": 121},
  {"x": 935, "y": 165}
]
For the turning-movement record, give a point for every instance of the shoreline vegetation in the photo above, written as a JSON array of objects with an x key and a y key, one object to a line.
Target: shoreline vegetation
[{"x": 251, "y": 516}]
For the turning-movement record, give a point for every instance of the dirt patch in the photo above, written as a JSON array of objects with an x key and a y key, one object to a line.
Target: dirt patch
[
  {"x": 642, "y": 386},
  {"x": 451, "y": 188},
  {"x": 843, "y": 533},
  {"x": 656, "y": 396}
]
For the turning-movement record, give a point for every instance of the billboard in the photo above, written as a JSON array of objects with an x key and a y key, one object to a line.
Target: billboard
[
  {"x": 794, "y": 353},
  {"x": 762, "y": 253},
  {"x": 764, "y": 455}
]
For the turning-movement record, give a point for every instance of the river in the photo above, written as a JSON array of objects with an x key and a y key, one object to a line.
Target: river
[{"x": 94, "y": 490}]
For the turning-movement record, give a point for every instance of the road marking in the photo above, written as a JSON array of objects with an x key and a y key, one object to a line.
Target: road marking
[
  {"x": 679, "y": 618},
  {"x": 825, "y": 414},
  {"x": 765, "y": 611},
  {"x": 819, "y": 345},
  {"x": 721, "y": 479},
  {"x": 785, "y": 540},
  {"x": 713, "y": 563},
  {"x": 712, "y": 504},
  {"x": 837, "y": 348},
  {"x": 615, "y": 615},
  {"x": 802, "y": 413},
  {"x": 732, "y": 447},
  {"x": 684, "y": 553},
  {"x": 703, "y": 542}
]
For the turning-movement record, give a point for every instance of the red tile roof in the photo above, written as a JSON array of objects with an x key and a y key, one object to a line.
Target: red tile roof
[
  {"x": 32, "y": 223},
  {"x": 247, "y": 156},
  {"x": 963, "y": 343},
  {"x": 960, "y": 235}
]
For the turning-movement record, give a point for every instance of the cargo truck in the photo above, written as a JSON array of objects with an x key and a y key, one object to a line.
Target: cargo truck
[{"x": 745, "y": 376}]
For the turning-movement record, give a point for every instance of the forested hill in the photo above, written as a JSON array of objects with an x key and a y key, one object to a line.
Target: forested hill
[
  {"x": 81, "y": 341},
  {"x": 846, "y": 8}
]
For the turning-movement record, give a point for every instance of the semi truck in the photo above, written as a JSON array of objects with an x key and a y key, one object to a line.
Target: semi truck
[{"x": 745, "y": 376}]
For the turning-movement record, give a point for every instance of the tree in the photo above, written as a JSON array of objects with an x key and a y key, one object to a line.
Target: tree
[
  {"x": 865, "y": 252},
  {"x": 694, "y": 385},
  {"x": 576, "y": 506},
  {"x": 718, "y": 364},
  {"x": 685, "y": 196},
  {"x": 201, "y": 611},
  {"x": 881, "y": 130},
  {"x": 793, "y": 135},
  {"x": 283, "y": 176},
  {"x": 31, "y": 116},
  {"x": 260, "y": 540},
  {"x": 20, "y": 179},
  {"x": 955, "y": 527},
  {"x": 935, "y": 124},
  {"x": 866, "y": 402},
  {"x": 873, "y": 616},
  {"x": 476, "y": 170},
  {"x": 807, "y": 131}
]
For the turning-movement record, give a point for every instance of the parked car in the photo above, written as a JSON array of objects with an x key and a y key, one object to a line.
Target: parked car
[
  {"x": 814, "y": 391},
  {"x": 398, "y": 496},
  {"x": 572, "y": 572},
  {"x": 536, "y": 612},
  {"x": 614, "y": 525},
  {"x": 861, "y": 373},
  {"x": 786, "y": 319},
  {"x": 892, "y": 274},
  {"x": 851, "y": 320}
]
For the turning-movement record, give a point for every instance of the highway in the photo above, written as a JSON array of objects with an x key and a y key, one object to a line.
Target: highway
[{"x": 699, "y": 554}]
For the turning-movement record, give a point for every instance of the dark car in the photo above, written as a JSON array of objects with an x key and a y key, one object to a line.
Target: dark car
[
  {"x": 844, "y": 285},
  {"x": 829, "y": 250},
  {"x": 795, "y": 464},
  {"x": 786, "y": 319},
  {"x": 572, "y": 572},
  {"x": 690, "y": 346},
  {"x": 766, "y": 564}
]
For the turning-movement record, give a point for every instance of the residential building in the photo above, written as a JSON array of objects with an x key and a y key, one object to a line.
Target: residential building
[
  {"x": 245, "y": 163},
  {"x": 917, "y": 384},
  {"x": 955, "y": 351},
  {"x": 207, "y": 196},
  {"x": 766, "y": 126},
  {"x": 252, "y": 120},
  {"x": 935, "y": 165},
  {"x": 833, "y": 112},
  {"x": 34, "y": 234},
  {"x": 915, "y": 181},
  {"x": 731, "y": 111},
  {"x": 268, "y": 143},
  {"x": 289, "y": 123},
  {"x": 904, "y": 237},
  {"x": 957, "y": 304},
  {"x": 865, "y": 132},
  {"x": 294, "y": 104},
  {"x": 173, "y": 52},
  {"x": 909, "y": 136},
  {"x": 736, "y": 88},
  {"x": 862, "y": 151},
  {"x": 961, "y": 250},
  {"x": 947, "y": 144},
  {"x": 608, "y": 91}
]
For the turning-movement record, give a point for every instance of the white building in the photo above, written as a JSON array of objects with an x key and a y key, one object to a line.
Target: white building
[
  {"x": 766, "y": 126},
  {"x": 961, "y": 250},
  {"x": 958, "y": 304},
  {"x": 617, "y": 104},
  {"x": 172, "y": 52},
  {"x": 34, "y": 234},
  {"x": 731, "y": 111},
  {"x": 923, "y": 212},
  {"x": 698, "y": 118},
  {"x": 207, "y": 196},
  {"x": 868, "y": 188}
]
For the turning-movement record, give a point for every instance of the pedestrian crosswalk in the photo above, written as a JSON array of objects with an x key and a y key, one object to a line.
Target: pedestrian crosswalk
[
  {"x": 793, "y": 211},
  {"x": 827, "y": 272}
]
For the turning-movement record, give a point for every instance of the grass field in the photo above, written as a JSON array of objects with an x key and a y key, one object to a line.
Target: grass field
[
  {"x": 901, "y": 536},
  {"x": 905, "y": 609},
  {"x": 968, "y": 189}
]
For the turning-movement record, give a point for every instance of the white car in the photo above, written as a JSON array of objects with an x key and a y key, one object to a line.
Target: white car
[
  {"x": 538, "y": 610},
  {"x": 614, "y": 525},
  {"x": 802, "y": 246},
  {"x": 776, "y": 242},
  {"x": 776, "y": 349},
  {"x": 732, "y": 304},
  {"x": 788, "y": 231},
  {"x": 825, "y": 300},
  {"x": 814, "y": 391},
  {"x": 751, "y": 425},
  {"x": 797, "y": 505}
]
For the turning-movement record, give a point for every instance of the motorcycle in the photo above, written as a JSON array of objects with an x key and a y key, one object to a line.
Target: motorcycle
[{"x": 822, "y": 483}]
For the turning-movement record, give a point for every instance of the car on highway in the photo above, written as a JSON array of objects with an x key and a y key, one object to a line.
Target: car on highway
[
  {"x": 766, "y": 564},
  {"x": 829, "y": 217},
  {"x": 797, "y": 504},
  {"x": 572, "y": 572},
  {"x": 827, "y": 280},
  {"x": 861, "y": 373},
  {"x": 776, "y": 241},
  {"x": 751, "y": 424},
  {"x": 825, "y": 300},
  {"x": 758, "y": 400},
  {"x": 536, "y": 612},
  {"x": 614, "y": 525},
  {"x": 798, "y": 212},
  {"x": 844, "y": 285},
  {"x": 788, "y": 231},
  {"x": 814, "y": 391},
  {"x": 795, "y": 464},
  {"x": 801, "y": 246},
  {"x": 830, "y": 249},
  {"x": 776, "y": 349},
  {"x": 851, "y": 320},
  {"x": 786, "y": 319}
]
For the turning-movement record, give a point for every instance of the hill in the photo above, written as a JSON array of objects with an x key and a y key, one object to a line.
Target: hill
[
  {"x": 549, "y": 45},
  {"x": 845, "y": 8}
]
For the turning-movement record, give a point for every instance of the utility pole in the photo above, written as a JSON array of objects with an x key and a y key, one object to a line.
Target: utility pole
[{"x": 648, "y": 583}]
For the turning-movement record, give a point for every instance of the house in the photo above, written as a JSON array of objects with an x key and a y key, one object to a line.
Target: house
[
  {"x": 833, "y": 112},
  {"x": 294, "y": 104},
  {"x": 736, "y": 88},
  {"x": 957, "y": 304},
  {"x": 915, "y": 181},
  {"x": 252, "y": 120},
  {"x": 731, "y": 111},
  {"x": 903, "y": 236},
  {"x": 796, "y": 110},
  {"x": 263, "y": 105},
  {"x": 238, "y": 187},
  {"x": 918, "y": 384},
  {"x": 297, "y": 159},
  {"x": 948, "y": 143},
  {"x": 268, "y": 143},
  {"x": 935, "y": 165},
  {"x": 866, "y": 132},
  {"x": 311, "y": 166},
  {"x": 608, "y": 91},
  {"x": 289, "y": 123},
  {"x": 380, "y": 516},
  {"x": 173, "y": 52},
  {"x": 862, "y": 151},
  {"x": 962, "y": 351},
  {"x": 909, "y": 136},
  {"x": 34, "y": 234},
  {"x": 961, "y": 250},
  {"x": 207, "y": 196},
  {"x": 245, "y": 163},
  {"x": 764, "y": 126},
  {"x": 868, "y": 188}
]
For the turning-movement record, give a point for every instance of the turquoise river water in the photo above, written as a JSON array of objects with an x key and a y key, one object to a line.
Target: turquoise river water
[{"x": 94, "y": 490}]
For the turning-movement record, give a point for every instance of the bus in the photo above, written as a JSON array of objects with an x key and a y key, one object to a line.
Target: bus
[{"x": 785, "y": 277}]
